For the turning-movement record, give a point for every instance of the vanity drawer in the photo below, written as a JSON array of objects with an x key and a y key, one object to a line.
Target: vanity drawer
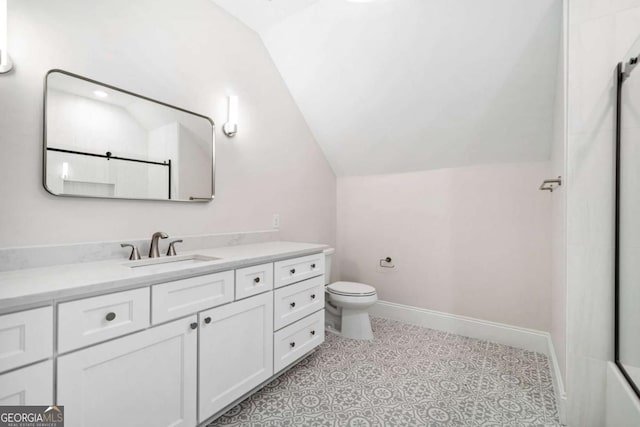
[
  {"x": 25, "y": 337},
  {"x": 254, "y": 280},
  {"x": 32, "y": 385},
  {"x": 297, "y": 269},
  {"x": 294, "y": 302},
  {"x": 91, "y": 320},
  {"x": 294, "y": 341},
  {"x": 184, "y": 297}
]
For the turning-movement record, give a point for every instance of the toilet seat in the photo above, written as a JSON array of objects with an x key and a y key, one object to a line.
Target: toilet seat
[{"x": 351, "y": 289}]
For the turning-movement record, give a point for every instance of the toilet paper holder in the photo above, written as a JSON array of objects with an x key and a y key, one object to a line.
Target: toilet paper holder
[
  {"x": 387, "y": 263},
  {"x": 551, "y": 184}
]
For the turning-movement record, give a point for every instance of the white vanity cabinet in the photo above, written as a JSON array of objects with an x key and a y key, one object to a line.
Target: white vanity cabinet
[
  {"x": 236, "y": 351},
  {"x": 174, "y": 353},
  {"x": 144, "y": 379}
]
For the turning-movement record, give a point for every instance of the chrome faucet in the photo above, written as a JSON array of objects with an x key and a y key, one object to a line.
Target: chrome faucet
[{"x": 154, "y": 251}]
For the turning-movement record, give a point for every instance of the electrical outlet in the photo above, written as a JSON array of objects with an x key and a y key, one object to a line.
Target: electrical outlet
[{"x": 276, "y": 221}]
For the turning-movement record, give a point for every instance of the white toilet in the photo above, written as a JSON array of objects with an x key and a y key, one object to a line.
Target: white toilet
[{"x": 347, "y": 305}]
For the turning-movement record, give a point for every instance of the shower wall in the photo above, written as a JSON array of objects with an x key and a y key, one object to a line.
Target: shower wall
[
  {"x": 559, "y": 224},
  {"x": 600, "y": 33}
]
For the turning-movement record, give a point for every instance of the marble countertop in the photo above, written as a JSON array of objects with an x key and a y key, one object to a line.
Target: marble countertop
[{"x": 39, "y": 286}]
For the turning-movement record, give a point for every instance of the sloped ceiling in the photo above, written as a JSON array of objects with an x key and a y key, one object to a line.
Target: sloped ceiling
[{"x": 392, "y": 86}]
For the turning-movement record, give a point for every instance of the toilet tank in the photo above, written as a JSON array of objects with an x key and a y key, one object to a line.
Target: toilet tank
[{"x": 328, "y": 255}]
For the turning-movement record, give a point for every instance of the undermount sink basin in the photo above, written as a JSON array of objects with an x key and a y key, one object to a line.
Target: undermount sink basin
[{"x": 158, "y": 265}]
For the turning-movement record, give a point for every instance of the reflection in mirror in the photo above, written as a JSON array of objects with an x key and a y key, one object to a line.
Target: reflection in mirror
[
  {"x": 101, "y": 141},
  {"x": 628, "y": 221}
]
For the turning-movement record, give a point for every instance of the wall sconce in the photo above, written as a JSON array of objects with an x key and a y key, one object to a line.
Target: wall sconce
[
  {"x": 5, "y": 61},
  {"x": 231, "y": 127},
  {"x": 65, "y": 170}
]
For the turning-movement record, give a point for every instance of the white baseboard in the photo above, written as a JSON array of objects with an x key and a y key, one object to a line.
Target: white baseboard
[{"x": 527, "y": 339}]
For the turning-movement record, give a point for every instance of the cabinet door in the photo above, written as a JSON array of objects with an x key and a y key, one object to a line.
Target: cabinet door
[
  {"x": 32, "y": 385},
  {"x": 144, "y": 379},
  {"x": 236, "y": 351}
]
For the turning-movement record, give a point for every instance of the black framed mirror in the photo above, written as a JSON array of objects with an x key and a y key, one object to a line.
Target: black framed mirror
[
  {"x": 627, "y": 222},
  {"x": 105, "y": 142}
]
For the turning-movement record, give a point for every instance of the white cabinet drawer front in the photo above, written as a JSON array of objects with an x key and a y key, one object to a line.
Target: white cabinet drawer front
[
  {"x": 91, "y": 320},
  {"x": 25, "y": 337},
  {"x": 184, "y": 297},
  {"x": 292, "y": 342},
  {"x": 32, "y": 385},
  {"x": 143, "y": 379},
  {"x": 297, "y": 301},
  {"x": 236, "y": 351},
  {"x": 254, "y": 280},
  {"x": 297, "y": 269}
]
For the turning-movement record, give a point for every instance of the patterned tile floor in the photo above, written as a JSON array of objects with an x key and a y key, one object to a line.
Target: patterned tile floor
[{"x": 407, "y": 376}]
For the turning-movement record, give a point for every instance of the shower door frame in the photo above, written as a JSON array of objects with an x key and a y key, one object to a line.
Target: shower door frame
[{"x": 620, "y": 78}]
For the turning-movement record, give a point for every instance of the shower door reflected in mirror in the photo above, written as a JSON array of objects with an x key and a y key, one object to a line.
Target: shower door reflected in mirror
[
  {"x": 628, "y": 221},
  {"x": 105, "y": 142}
]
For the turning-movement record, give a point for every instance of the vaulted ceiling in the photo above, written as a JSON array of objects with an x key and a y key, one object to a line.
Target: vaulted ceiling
[{"x": 393, "y": 86}]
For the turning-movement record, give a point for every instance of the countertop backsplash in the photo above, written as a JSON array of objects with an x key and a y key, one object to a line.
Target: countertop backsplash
[{"x": 44, "y": 256}]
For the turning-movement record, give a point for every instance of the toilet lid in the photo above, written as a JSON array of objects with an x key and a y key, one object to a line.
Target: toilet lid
[{"x": 351, "y": 288}]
